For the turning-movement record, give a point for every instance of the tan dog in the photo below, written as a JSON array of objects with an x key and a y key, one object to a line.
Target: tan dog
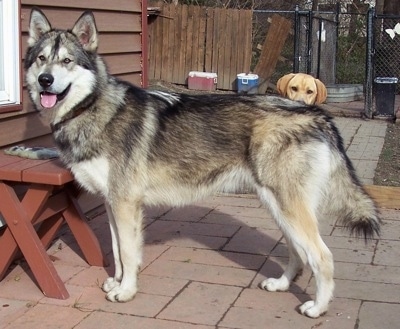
[{"x": 302, "y": 87}]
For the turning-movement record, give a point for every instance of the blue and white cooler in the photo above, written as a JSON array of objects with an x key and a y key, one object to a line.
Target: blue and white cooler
[{"x": 247, "y": 83}]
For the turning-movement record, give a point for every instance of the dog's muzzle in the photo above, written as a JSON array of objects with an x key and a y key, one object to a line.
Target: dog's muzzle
[{"x": 48, "y": 99}]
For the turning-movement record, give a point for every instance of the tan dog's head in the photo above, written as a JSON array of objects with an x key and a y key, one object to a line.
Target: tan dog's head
[{"x": 302, "y": 87}]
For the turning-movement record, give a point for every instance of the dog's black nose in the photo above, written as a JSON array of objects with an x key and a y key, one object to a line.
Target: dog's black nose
[{"x": 45, "y": 80}]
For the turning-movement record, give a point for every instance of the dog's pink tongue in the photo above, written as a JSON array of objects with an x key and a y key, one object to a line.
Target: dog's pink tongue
[{"x": 48, "y": 100}]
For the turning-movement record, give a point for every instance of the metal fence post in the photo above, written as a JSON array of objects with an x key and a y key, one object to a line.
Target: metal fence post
[
  {"x": 368, "y": 109},
  {"x": 296, "y": 57},
  {"x": 310, "y": 17},
  {"x": 319, "y": 47}
]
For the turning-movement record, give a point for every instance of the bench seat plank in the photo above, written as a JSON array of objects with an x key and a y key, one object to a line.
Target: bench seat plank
[
  {"x": 14, "y": 169},
  {"x": 50, "y": 172}
]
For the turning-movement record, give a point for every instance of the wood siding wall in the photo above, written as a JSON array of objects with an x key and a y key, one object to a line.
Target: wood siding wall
[
  {"x": 192, "y": 38},
  {"x": 120, "y": 25}
]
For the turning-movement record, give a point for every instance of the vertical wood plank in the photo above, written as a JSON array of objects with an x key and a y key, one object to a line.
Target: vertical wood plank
[
  {"x": 215, "y": 43},
  {"x": 164, "y": 58},
  {"x": 178, "y": 44},
  {"x": 189, "y": 40},
  {"x": 241, "y": 41},
  {"x": 151, "y": 51},
  {"x": 169, "y": 64},
  {"x": 157, "y": 47},
  {"x": 209, "y": 40},
  {"x": 278, "y": 32},
  {"x": 236, "y": 50},
  {"x": 195, "y": 39},
  {"x": 229, "y": 49},
  {"x": 222, "y": 48},
  {"x": 182, "y": 53},
  {"x": 202, "y": 40},
  {"x": 248, "y": 32}
]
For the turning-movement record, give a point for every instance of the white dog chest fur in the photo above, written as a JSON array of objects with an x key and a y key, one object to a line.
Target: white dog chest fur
[{"x": 93, "y": 174}]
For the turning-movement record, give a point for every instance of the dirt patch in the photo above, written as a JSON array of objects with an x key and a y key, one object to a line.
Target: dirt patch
[{"x": 388, "y": 170}]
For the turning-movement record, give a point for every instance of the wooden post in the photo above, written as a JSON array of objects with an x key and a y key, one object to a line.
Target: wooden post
[{"x": 272, "y": 48}]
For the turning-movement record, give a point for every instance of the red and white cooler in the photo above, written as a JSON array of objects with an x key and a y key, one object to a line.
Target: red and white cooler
[{"x": 202, "y": 81}]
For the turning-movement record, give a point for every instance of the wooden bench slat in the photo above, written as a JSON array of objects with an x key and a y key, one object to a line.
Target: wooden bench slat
[
  {"x": 16, "y": 169},
  {"x": 8, "y": 159},
  {"x": 13, "y": 171},
  {"x": 52, "y": 173},
  {"x": 5, "y": 162}
]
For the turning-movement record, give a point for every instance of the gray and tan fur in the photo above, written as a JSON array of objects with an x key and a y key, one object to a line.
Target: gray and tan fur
[{"x": 137, "y": 147}]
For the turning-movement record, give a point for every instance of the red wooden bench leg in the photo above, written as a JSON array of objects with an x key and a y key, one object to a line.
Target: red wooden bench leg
[
  {"x": 35, "y": 198},
  {"x": 83, "y": 234},
  {"x": 25, "y": 235},
  {"x": 48, "y": 229},
  {"x": 9, "y": 250}
]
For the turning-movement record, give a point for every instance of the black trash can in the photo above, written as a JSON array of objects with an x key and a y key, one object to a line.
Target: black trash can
[{"x": 385, "y": 89}]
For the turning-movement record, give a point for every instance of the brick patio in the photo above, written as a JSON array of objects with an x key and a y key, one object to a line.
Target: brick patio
[{"x": 203, "y": 263}]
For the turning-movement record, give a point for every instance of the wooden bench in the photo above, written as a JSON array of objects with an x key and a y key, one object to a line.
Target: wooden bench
[{"x": 36, "y": 198}]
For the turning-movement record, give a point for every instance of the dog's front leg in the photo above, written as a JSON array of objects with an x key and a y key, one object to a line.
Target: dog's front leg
[
  {"x": 114, "y": 281},
  {"x": 127, "y": 250}
]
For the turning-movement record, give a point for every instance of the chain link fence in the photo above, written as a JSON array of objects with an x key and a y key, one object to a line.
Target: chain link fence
[
  {"x": 387, "y": 47},
  {"x": 330, "y": 45},
  {"x": 352, "y": 48},
  {"x": 338, "y": 46}
]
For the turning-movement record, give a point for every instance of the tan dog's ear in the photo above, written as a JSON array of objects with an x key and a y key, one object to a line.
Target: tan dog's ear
[
  {"x": 283, "y": 82},
  {"x": 321, "y": 92}
]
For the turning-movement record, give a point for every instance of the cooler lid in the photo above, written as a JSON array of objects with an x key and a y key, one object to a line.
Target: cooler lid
[{"x": 202, "y": 74}]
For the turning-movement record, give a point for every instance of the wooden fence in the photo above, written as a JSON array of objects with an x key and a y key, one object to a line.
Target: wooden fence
[{"x": 192, "y": 38}]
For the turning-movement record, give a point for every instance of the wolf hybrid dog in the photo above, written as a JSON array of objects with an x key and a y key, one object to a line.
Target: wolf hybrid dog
[{"x": 136, "y": 147}]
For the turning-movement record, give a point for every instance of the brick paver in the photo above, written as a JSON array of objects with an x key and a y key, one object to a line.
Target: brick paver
[
  {"x": 203, "y": 263},
  {"x": 363, "y": 140}
]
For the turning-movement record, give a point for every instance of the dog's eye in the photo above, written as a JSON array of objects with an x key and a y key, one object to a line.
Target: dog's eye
[
  {"x": 67, "y": 61},
  {"x": 294, "y": 88},
  {"x": 42, "y": 58},
  {"x": 310, "y": 92}
]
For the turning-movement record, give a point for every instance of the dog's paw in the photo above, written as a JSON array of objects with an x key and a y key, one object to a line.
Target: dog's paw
[
  {"x": 311, "y": 310},
  {"x": 118, "y": 294},
  {"x": 109, "y": 284},
  {"x": 272, "y": 284}
]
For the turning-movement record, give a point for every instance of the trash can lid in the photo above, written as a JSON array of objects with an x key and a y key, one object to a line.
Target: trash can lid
[{"x": 386, "y": 80}]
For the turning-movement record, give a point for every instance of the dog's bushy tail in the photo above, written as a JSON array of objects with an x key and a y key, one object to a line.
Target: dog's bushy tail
[
  {"x": 347, "y": 198},
  {"x": 357, "y": 211}
]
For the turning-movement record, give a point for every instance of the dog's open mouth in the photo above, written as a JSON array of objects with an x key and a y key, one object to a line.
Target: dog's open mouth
[{"x": 49, "y": 100}]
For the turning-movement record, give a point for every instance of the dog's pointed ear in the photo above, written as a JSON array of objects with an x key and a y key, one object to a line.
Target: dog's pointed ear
[
  {"x": 283, "y": 82},
  {"x": 86, "y": 31},
  {"x": 321, "y": 92},
  {"x": 38, "y": 25}
]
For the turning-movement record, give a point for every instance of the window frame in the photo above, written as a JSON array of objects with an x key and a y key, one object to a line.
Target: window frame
[{"x": 11, "y": 16}]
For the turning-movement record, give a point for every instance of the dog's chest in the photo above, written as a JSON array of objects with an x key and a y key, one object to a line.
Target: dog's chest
[{"x": 93, "y": 175}]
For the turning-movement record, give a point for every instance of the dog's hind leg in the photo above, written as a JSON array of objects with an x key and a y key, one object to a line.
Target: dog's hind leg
[
  {"x": 295, "y": 266},
  {"x": 112, "y": 282},
  {"x": 127, "y": 248},
  {"x": 298, "y": 221}
]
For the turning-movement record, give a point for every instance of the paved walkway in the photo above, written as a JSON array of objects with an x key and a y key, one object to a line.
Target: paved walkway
[
  {"x": 363, "y": 140},
  {"x": 202, "y": 265}
]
